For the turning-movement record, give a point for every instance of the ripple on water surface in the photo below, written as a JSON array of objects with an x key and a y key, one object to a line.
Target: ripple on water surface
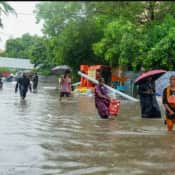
[{"x": 41, "y": 136}]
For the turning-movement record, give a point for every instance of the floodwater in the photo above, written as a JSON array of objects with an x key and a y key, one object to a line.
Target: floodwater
[{"x": 41, "y": 136}]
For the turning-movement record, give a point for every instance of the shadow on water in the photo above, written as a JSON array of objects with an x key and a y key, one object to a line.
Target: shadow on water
[{"x": 42, "y": 136}]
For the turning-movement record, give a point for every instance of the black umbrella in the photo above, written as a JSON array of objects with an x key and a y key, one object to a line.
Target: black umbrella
[{"x": 61, "y": 69}]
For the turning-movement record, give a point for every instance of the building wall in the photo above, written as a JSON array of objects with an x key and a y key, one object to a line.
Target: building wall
[{"x": 129, "y": 83}]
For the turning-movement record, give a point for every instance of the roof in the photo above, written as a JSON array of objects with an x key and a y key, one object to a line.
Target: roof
[{"x": 18, "y": 63}]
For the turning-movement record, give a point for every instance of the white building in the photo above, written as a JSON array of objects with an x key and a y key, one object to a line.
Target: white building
[{"x": 16, "y": 63}]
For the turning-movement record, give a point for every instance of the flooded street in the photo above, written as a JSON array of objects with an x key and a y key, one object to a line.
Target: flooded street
[{"x": 41, "y": 136}]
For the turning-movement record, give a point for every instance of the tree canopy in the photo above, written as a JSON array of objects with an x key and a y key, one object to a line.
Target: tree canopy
[
  {"x": 5, "y": 8},
  {"x": 129, "y": 33}
]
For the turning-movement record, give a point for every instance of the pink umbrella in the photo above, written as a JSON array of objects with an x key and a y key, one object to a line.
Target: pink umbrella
[{"x": 152, "y": 73}]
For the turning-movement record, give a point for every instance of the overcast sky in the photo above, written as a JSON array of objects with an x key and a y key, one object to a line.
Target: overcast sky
[{"x": 25, "y": 22}]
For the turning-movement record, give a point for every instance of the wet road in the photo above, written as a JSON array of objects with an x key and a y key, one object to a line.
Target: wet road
[{"x": 41, "y": 136}]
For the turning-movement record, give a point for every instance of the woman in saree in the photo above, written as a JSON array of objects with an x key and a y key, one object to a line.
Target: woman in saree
[{"x": 102, "y": 101}]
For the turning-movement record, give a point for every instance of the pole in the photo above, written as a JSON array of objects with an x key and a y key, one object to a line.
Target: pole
[{"x": 109, "y": 88}]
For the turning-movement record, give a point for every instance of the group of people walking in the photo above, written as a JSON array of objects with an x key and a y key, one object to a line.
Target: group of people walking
[
  {"x": 148, "y": 101},
  {"x": 149, "y": 105},
  {"x": 146, "y": 91},
  {"x": 23, "y": 84}
]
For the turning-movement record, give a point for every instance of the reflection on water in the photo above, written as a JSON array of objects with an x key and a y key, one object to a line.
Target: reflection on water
[{"x": 42, "y": 136}]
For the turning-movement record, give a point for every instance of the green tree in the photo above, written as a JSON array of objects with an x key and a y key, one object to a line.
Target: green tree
[
  {"x": 37, "y": 52},
  {"x": 56, "y": 15},
  {"x": 29, "y": 47},
  {"x": 71, "y": 33},
  {"x": 120, "y": 44},
  {"x": 127, "y": 33},
  {"x": 19, "y": 47},
  {"x": 160, "y": 42},
  {"x": 5, "y": 8}
]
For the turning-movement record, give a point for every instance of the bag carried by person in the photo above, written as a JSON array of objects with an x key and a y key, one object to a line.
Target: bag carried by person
[
  {"x": 114, "y": 107},
  {"x": 171, "y": 99}
]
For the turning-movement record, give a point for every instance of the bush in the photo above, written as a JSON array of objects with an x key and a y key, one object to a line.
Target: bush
[
  {"x": 44, "y": 71},
  {"x": 4, "y": 69}
]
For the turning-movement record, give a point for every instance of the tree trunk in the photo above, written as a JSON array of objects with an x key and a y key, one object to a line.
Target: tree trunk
[{"x": 151, "y": 10}]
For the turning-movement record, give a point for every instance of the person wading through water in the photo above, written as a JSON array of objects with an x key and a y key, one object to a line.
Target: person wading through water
[
  {"x": 102, "y": 101},
  {"x": 35, "y": 81},
  {"x": 148, "y": 102},
  {"x": 23, "y": 83},
  {"x": 169, "y": 103},
  {"x": 1, "y": 83},
  {"x": 65, "y": 85}
]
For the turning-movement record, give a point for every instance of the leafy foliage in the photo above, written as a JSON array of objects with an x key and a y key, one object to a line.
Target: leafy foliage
[
  {"x": 161, "y": 54},
  {"x": 120, "y": 44},
  {"x": 134, "y": 34},
  {"x": 5, "y": 8}
]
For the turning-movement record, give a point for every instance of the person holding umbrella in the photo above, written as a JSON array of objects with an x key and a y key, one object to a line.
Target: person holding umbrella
[
  {"x": 146, "y": 91},
  {"x": 169, "y": 103},
  {"x": 149, "y": 105},
  {"x": 65, "y": 85},
  {"x": 65, "y": 82}
]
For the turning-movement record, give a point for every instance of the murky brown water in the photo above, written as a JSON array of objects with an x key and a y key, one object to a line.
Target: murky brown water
[{"x": 41, "y": 136}]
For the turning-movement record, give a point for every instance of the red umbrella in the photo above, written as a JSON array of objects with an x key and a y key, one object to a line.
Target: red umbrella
[{"x": 152, "y": 73}]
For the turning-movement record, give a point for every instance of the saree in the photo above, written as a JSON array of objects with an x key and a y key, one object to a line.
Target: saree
[{"x": 101, "y": 104}]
